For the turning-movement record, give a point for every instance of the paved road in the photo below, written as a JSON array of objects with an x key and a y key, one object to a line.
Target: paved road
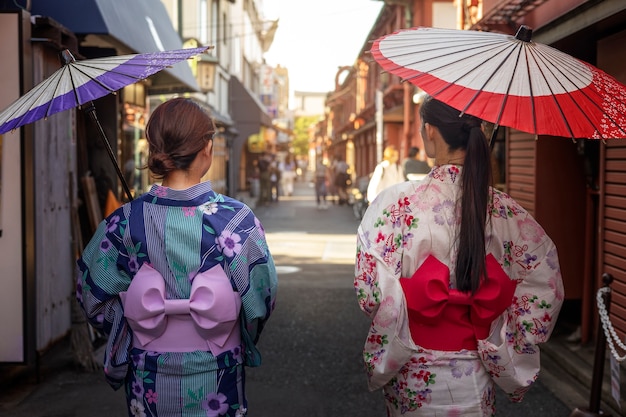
[{"x": 311, "y": 347}]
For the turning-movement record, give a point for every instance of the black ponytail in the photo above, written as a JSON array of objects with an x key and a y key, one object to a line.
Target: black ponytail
[{"x": 464, "y": 132}]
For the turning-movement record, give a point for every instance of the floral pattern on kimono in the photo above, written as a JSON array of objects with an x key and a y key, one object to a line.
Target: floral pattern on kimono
[
  {"x": 179, "y": 233},
  {"x": 407, "y": 223}
]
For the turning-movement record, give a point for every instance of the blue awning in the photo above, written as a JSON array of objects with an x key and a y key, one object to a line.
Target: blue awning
[{"x": 128, "y": 26}]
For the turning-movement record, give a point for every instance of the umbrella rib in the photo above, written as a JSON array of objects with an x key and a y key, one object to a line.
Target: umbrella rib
[
  {"x": 100, "y": 83},
  {"x": 49, "y": 103},
  {"x": 455, "y": 52},
  {"x": 599, "y": 108},
  {"x": 436, "y": 46},
  {"x": 508, "y": 87},
  {"x": 9, "y": 112},
  {"x": 544, "y": 59},
  {"x": 480, "y": 90},
  {"x": 531, "y": 94},
  {"x": 74, "y": 90},
  {"x": 415, "y": 76},
  {"x": 592, "y": 102}
]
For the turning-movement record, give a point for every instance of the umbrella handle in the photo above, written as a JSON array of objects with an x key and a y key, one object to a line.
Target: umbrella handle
[
  {"x": 91, "y": 110},
  {"x": 494, "y": 133}
]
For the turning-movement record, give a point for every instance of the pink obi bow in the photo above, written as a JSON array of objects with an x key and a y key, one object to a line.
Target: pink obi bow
[
  {"x": 443, "y": 318},
  {"x": 208, "y": 320}
]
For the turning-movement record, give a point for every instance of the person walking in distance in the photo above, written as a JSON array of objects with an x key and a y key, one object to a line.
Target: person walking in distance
[
  {"x": 180, "y": 280},
  {"x": 387, "y": 173},
  {"x": 275, "y": 189},
  {"x": 461, "y": 283},
  {"x": 413, "y": 167},
  {"x": 288, "y": 175},
  {"x": 265, "y": 182},
  {"x": 321, "y": 184},
  {"x": 341, "y": 178}
]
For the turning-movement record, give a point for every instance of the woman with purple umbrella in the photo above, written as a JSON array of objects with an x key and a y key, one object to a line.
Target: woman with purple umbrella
[
  {"x": 461, "y": 283},
  {"x": 180, "y": 280}
]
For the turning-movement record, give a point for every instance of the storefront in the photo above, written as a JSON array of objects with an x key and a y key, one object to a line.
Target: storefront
[
  {"x": 251, "y": 120},
  {"x": 104, "y": 30}
]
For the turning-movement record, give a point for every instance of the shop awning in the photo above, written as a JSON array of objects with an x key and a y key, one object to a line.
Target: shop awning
[
  {"x": 248, "y": 114},
  {"x": 246, "y": 107},
  {"x": 134, "y": 26}
]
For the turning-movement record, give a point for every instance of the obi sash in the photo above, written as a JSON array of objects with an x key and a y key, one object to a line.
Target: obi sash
[
  {"x": 442, "y": 318},
  {"x": 208, "y": 320}
]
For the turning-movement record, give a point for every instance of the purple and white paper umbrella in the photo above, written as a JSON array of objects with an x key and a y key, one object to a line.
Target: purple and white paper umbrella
[{"x": 79, "y": 82}]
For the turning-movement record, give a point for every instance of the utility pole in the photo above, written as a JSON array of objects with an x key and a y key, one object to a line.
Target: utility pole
[
  {"x": 383, "y": 81},
  {"x": 179, "y": 18}
]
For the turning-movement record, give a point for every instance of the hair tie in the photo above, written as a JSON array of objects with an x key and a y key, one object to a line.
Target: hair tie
[{"x": 467, "y": 127}]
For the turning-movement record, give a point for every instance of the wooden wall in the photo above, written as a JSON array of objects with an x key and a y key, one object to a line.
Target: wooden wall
[
  {"x": 546, "y": 176},
  {"x": 613, "y": 226},
  {"x": 54, "y": 147},
  {"x": 520, "y": 169}
]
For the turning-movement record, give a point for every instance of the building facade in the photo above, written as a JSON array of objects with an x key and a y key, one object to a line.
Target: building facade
[
  {"x": 575, "y": 189},
  {"x": 61, "y": 175},
  {"x": 57, "y": 172}
]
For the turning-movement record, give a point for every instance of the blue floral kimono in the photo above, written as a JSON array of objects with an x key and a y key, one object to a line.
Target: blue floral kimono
[{"x": 179, "y": 234}]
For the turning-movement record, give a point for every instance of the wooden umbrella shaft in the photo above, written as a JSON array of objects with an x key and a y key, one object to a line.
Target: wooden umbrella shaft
[{"x": 91, "y": 110}]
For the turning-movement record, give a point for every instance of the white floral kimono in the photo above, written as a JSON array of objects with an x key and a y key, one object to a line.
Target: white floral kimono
[{"x": 417, "y": 220}]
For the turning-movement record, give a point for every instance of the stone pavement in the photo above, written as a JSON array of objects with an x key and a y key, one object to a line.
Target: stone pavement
[{"x": 311, "y": 347}]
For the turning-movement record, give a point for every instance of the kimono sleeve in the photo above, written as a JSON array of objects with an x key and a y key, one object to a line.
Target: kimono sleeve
[
  {"x": 379, "y": 254},
  {"x": 259, "y": 297},
  {"x": 379, "y": 293},
  {"x": 100, "y": 279},
  {"x": 511, "y": 353}
]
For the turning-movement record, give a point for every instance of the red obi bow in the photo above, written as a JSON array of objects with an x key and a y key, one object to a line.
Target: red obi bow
[
  {"x": 443, "y": 318},
  {"x": 205, "y": 320}
]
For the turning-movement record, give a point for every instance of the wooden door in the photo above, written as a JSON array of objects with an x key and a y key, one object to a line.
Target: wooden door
[
  {"x": 612, "y": 230},
  {"x": 547, "y": 177}
]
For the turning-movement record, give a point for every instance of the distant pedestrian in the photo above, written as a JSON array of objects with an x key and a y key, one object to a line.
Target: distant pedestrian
[
  {"x": 341, "y": 178},
  {"x": 254, "y": 179},
  {"x": 388, "y": 172},
  {"x": 459, "y": 280},
  {"x": 321, "y": 184},
  {"x": 301, "y": 169},
  {"x": 275, "y": 190},
  {"x": 265, "y": 182},
  {"x": 288, "y": 174},
  {"x": 180, "y": 280},
  {"x": 413, "y": 167}
]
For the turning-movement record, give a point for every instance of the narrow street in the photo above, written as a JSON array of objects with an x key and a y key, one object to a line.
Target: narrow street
[{"x": 311, "y": 348}]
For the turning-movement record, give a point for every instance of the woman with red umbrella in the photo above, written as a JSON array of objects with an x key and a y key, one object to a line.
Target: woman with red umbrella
[
  {"x": 461, "y": 283},
  {"x": 180, "y": 280}
]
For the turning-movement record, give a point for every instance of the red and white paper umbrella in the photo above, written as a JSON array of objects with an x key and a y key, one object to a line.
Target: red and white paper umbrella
[{"x": 508, "y": 80}]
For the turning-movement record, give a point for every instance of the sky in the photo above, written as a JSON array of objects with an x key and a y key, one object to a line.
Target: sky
[{"x": 315, "y": 38}]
